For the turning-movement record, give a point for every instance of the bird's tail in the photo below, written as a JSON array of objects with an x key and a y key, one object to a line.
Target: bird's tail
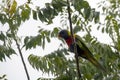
[{"x": 97, "y": 64}]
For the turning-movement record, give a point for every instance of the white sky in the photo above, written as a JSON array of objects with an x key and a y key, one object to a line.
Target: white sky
[{"x": 13, "y": 67}]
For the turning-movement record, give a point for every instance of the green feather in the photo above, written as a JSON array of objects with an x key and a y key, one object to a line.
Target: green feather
[{"x": 88, "y": 54}]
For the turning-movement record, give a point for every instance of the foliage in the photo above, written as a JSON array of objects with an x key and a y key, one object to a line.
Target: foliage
[
  {"x": 5, "y": 48},
  {"x": 3, "y": 77},
  {"x": 40, "y": 39},
  {"x": 111, "y": 21},
  {"x": 11, "y": 15},
  {"x": 58, "y": 62},
  {"x": 103, "y": 52}
]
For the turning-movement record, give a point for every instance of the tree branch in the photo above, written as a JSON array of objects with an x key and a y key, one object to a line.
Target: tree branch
[
  {"x": 18, "y": 47},
  {"x": 75, "y": 47}
]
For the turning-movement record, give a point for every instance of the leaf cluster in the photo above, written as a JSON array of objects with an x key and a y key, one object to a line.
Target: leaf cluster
[
  {"x": 51, "y": 10},
  {"x": 106, "y": 55},
  {"x": 11, "y": 16},
  {"x": 3, "y": 77},
  {"x": 40, "y": 39},
  {"x": 111, "y": 24},
  {"x": 85, "y": 11},
  {"x": 54, "y": 63},
  {"x": 5, "y": 46}
]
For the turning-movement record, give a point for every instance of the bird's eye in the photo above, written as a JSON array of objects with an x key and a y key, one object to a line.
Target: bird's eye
[{"x": 62, "y": 33}]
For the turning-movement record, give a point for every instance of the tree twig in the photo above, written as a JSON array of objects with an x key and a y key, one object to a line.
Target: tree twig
[
  {"x": 75, "y": 47},
  {"x": 18, "y": 47}
]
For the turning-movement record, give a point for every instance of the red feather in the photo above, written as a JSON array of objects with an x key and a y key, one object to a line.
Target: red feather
[{"x": 69, "y": 41}]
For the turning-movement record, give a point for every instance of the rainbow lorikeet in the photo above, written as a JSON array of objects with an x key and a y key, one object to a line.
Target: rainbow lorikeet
[{"x": 82, "y": 49}]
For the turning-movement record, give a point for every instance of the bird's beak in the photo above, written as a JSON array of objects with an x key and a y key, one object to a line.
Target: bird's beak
[{"x": 59, "y": 36}]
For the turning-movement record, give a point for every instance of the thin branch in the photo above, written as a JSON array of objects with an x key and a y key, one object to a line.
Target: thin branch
[
  {"x": 25, "y": 68},
  {"x": 75, "y": 47}
]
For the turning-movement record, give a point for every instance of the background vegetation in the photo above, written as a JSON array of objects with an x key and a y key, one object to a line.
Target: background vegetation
[{"x": 57, "y": 63}]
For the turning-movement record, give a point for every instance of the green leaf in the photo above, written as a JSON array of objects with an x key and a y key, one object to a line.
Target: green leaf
[
  {"x": 5, "y": 52},
  {"x": 85, "y": 4},
  {"x": 2, "y": 56},
  {"x": 25, "y": 14},
  {"x": 96, "y": 20},
  {"x": 13, "y": 8},
  {"x": 34, "y": 14},
  {"x": 98, "y": 27},
  {"x": 48, "y": 39},
  {"x": 3, "y": 18},
  {"x": 26, "y": 40},
  {"x": 10, "y": 35},
  {"x": 54, "y": 33},
  {"x": 41, "y": 16},
  {"x": 43, "y": 43},
  {"x": 58, "y": 5},
  {"x": 103, "y": 30},
  {"x": 2, "y": 36},
  {"x": 77, "y": 29},
  {"x": 87, "y": 13},
  {"x": 3, "y": 77}
]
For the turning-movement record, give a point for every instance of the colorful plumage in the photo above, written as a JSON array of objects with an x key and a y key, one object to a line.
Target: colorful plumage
[{"x": 82, "y": 49}]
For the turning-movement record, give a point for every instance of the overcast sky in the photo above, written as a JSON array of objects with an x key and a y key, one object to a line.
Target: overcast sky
[{"x": 13, "y": 67}]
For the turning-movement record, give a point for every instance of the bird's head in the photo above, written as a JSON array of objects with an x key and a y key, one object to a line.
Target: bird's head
[{"x": 65, "y": 34}]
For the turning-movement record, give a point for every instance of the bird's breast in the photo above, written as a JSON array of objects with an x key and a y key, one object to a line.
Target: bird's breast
[{"x": 69, "y": 41}]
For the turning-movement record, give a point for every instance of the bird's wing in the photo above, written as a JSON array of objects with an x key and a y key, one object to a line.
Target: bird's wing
[
  {"x": 82, "y": 45},
  {"x": 89, "y": 55}
]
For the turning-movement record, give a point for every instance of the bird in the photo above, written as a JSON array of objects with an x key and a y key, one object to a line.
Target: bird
[{"x": 81, "y": 48}]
